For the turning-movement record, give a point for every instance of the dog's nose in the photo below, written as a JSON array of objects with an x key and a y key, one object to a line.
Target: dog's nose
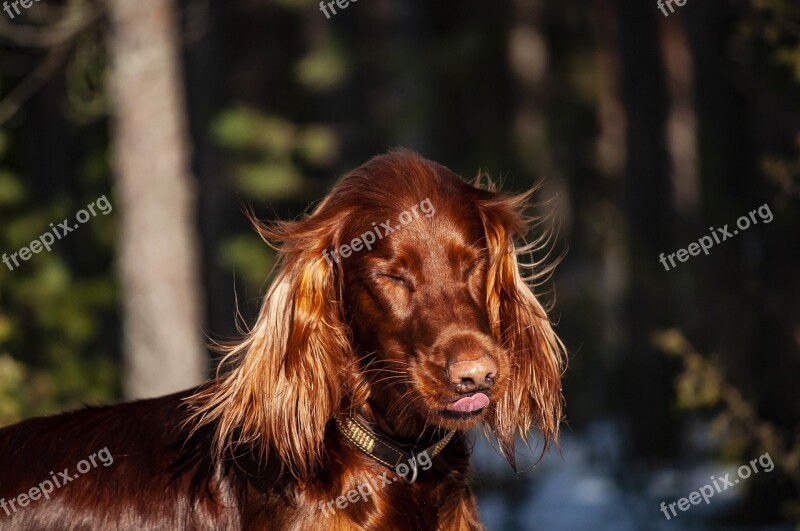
[{"x": 471, "y": 375}]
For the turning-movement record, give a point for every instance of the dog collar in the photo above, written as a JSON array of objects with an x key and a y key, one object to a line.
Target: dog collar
[{"x": 385, "y": 451}]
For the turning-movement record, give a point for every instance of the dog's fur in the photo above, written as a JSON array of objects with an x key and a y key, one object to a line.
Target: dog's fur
[{"x": 374, "y": 333}]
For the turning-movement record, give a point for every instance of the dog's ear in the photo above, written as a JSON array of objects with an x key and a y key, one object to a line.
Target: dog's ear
[
  {"x": 520, "y": 324},
  {"x": 280, "y": 385}
]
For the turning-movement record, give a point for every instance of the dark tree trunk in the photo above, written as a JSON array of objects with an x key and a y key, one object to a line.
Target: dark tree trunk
[{"x": 649, "y": 212}]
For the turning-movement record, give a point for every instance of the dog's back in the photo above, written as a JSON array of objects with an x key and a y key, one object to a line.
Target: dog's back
[{"x": 120, "y": 467}]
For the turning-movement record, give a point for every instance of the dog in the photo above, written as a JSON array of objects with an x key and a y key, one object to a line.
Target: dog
[{"x": 398, "y": 319}]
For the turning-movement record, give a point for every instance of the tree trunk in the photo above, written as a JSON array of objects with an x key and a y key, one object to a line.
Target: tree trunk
[
  {"x": 155, "y": 193},
  {"x": 650, "y": 217}
]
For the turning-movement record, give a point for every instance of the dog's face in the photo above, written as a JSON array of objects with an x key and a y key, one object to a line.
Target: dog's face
[
  {"x": 418, "y": 307},
  {"x": 402, "y": 290}
]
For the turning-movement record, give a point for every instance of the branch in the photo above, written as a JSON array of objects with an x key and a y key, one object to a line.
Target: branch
[
  {"x": 31, "y": 84},
  {"x": 57, "y": 38},
  {"x": 76, "y": 20},
  {"x": 701, "y": 370}
]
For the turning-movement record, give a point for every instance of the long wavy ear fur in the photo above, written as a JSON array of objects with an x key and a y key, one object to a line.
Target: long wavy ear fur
[
  {"x": 276, "y": 389},
  {"x": 521, "y": 325}
]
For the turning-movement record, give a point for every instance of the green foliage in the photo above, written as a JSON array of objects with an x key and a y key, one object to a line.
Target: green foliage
[
  {"x": 270, "y": 139},
  {"x": 248, "y": 129},
  {"x": 85, "y": 81},
  {"x": 12, "y": 378},
  {"x": 11, "y": 191},
  {"x": 318, "y": 145},
  {"x": 56, "y": 308},
  {"x": 702, "y": 385},
  {"x": 270, "y": 156},
  {"x": 276, "y": 159},
  {"x": 775, "y": 25},
  {"x": 272, "y": 152},
  {"x": 776, "y": 22},
  {"x": 784, "y": 173},
  {"x": 323, "y": 68},
  {"x": 249, "y": 257}
]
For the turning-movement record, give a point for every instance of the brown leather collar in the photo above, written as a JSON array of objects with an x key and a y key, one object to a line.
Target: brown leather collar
[{"x": 386, "y": 451}]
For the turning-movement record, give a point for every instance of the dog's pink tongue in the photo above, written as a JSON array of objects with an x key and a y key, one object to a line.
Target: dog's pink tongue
[{"x": 470, "y": 403}]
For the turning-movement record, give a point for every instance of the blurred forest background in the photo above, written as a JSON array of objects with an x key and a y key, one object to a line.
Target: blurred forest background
[{"x": 649, "y": 129}]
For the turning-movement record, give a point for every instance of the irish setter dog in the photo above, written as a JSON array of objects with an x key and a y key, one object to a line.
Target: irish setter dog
[{"x": 397, "y": 320}]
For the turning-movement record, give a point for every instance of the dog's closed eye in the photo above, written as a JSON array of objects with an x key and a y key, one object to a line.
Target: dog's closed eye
[
  {"x": 398, "y": 279},
  {"x": 470, "y": 267}
]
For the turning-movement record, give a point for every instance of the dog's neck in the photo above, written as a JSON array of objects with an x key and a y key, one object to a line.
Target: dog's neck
[{"x": 398, "y": 422}]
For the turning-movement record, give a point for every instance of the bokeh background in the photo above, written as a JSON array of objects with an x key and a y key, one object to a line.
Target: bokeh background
[{"x": 646, "y": 130}]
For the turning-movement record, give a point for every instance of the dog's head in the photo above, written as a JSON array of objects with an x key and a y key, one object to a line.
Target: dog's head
[{"x": 402, "y": 288}]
